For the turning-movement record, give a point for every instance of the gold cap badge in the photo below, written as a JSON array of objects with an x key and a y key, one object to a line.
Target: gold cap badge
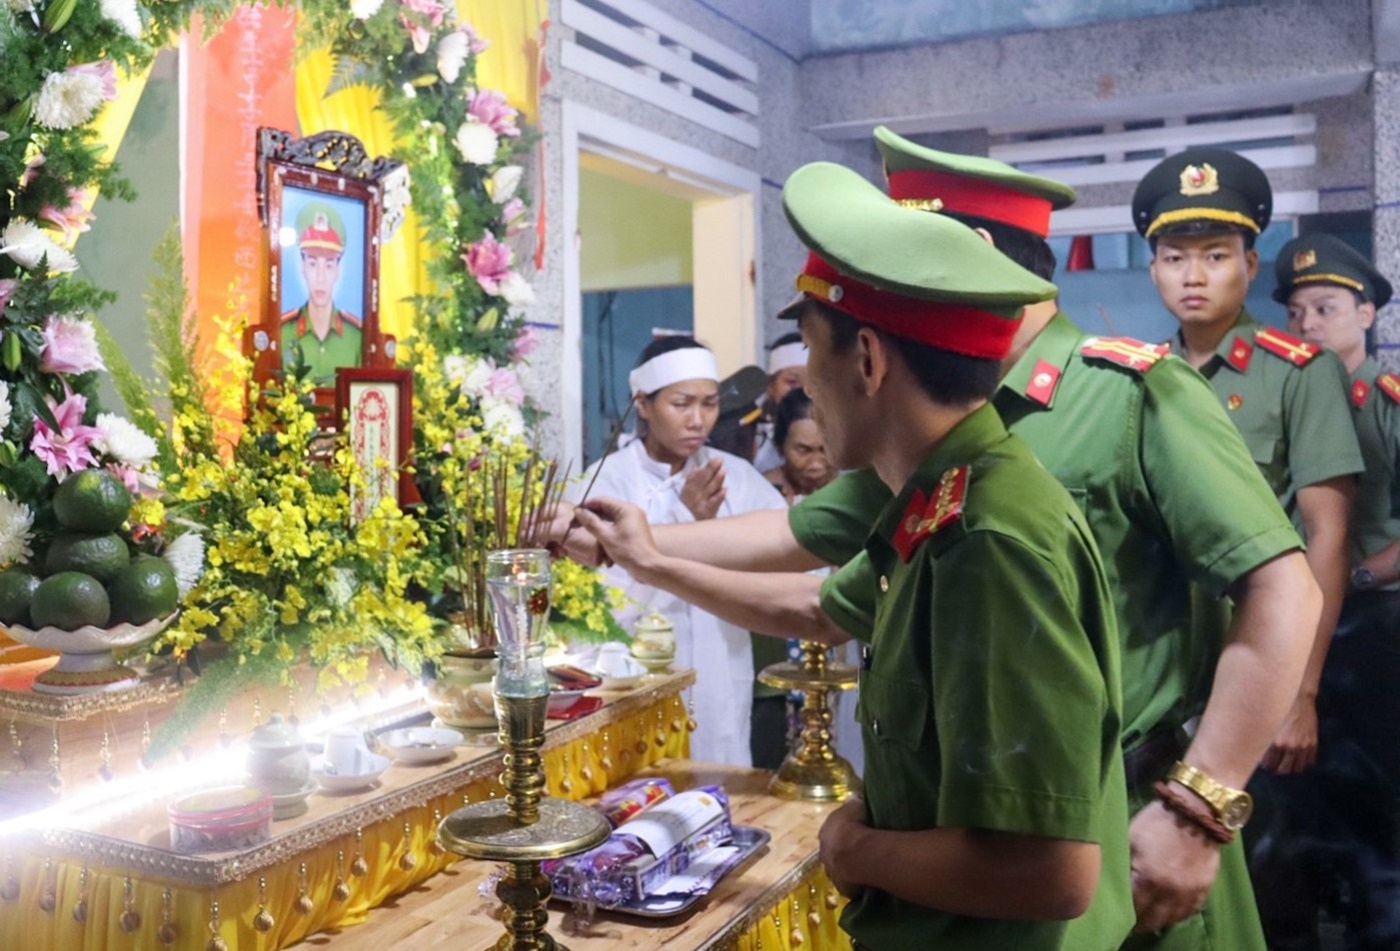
[
  {"x": 1200, "y": 180},
  {"x": 1304, "y": 259}
]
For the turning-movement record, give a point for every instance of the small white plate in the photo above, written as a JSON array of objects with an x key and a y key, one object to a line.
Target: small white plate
[
  {"x": 420, "y": 744},
  {"x": 292, "y": 804},
  {"x": 335, "y": 782}
]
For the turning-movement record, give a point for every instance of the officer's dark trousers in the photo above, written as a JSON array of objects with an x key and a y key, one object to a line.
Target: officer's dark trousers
[{"x": 1331, "y": 837}]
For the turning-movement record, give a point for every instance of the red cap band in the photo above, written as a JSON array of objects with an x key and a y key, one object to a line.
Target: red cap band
[
  {"x": 957, "y": 327},
  {"x": 973, "y": 196}
]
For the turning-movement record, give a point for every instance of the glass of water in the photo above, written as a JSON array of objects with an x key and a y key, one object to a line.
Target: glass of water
[{"x": 517, "y": 580}]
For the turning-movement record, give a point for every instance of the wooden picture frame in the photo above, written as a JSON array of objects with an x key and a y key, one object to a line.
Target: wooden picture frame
[
  {"x": 322, "y": 204},
  {"x": 374, "y": 409}
]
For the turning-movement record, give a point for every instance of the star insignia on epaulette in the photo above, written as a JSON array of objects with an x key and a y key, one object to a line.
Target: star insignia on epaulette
[
  {"x": 1295, "y": 351},
  {"x": 1390, "y": 385}
]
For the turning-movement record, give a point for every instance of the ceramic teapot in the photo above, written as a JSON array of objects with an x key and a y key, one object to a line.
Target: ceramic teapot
[{"x": 277, "y": 759}]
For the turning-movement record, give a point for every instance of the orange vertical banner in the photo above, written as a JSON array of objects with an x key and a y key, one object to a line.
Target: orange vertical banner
[{"x": 240, "y": 80}]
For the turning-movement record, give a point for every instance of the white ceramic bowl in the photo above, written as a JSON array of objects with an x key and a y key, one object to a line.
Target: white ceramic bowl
[
  {"x": 561, "y": 700},
  {"x": 337, "y": 782},
  {"x": 618, "y": 680},
  {"x": 420, "y": 744},
  {"x": 88, "y": 639}
]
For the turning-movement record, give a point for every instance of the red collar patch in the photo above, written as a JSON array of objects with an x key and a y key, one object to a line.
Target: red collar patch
[
  {"x": 1241, "y": 351},
  {"x": 1359, "y": 391},
  {"x": 1041, "y": 386},
  {"x": 924, "y": 517}
]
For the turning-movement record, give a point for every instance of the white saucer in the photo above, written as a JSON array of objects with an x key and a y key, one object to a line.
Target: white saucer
[
  {"x": 420, "y": 744},
  {"x": 287, "y": 805},
  {"x": 335, "y": 782}
]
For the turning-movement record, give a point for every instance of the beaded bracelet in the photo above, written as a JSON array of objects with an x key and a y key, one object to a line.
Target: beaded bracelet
[{"x": 1178, "y": 804}]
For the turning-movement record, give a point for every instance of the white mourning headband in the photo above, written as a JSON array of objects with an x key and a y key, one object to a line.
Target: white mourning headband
[
  {"x": 788, "y": 355},
  {"x": 688, "y": 363}
]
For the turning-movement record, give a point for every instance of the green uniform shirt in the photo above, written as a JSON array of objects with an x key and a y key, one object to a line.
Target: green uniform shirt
[
  {"x": 342, "y": 347},
  {"x": 1172, "y": 496},
  {"x": 1376, "y": 408},
  {"x": 1293, "y": 418},
  {"x": 991, "y": 697}
]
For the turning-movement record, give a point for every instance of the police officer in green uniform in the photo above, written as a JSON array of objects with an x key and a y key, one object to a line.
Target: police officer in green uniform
[
  {"x": 994, "y": 794},
  {"x": 1332, "y": 293},
  {"x": 325, "y": 336},
  {"x": 1201, "y": 210},
  {"x": 1172, "y": 497},
  {"x": 1121, "y": 426}
]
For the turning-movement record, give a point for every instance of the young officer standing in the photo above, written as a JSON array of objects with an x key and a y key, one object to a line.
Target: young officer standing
[
  {"x": 1201, "y": 211},
  {"x": 1332, "y": 293},
  {"x": 995, "y": 804}
]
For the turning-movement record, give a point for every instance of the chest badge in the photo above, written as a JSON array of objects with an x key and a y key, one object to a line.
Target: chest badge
[{"x": 1235, "y": 401}]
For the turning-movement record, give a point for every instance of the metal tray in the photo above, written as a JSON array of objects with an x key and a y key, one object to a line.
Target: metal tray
[{"x": 751, "y": 841}]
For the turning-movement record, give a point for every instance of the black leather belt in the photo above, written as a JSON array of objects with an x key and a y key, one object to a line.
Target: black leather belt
[{"x": 1151, "y": 757}]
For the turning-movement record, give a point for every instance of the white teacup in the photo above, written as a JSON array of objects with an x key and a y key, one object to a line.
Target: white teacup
[
  {"x": 346, "y": 753},
  {"x": 613, "y": 661}
]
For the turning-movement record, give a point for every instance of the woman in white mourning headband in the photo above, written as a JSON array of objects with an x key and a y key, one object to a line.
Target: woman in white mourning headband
[{"x": 670, "y": 472}]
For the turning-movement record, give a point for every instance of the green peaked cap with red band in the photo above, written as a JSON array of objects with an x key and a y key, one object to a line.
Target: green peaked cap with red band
[
  {"x": 915, "y": 274},
  {"x": 925, "y": 178}
]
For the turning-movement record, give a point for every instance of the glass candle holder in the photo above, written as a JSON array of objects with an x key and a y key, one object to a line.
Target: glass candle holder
[{"x": 517, "y": 580}]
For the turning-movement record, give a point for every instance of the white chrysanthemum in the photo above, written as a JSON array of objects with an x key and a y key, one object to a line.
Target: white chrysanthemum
[
  {"x": 67, "y": 99},
  {"x": 5, "y": 407},
  {"x": 123, "y": 13},
  {"x": 124, "y": 441},
  {"x": 516, "y": 290},
  {"x": 21, "y": 6},
  {"x": 501, "y": 417},
  {"x": 186, "y": 557},
  {"x": 452, "y": 55},
  {"x": 364, "y": 9},
  {"x": 477, "y": 142},
  {"x": 15, "y": 523},
  {"x": 26, "y": 243},
  {"x": 477, "y": 378},
  {"x": 504, "y": 181}
]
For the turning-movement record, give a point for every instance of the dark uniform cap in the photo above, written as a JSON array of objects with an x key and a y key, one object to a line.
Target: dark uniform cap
[
  {"x": 1200, "y": 191},
  {"x": 925, "y": 178},
  {"x": 320, "y": 229},
  {"x": 1323, "y": 259},
  {"x": 917, "y": 275}
]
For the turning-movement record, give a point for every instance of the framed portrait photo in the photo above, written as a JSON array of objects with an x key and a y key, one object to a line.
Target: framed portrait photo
[
  {"x": 374, "y": 407},
  {"x": 322, "y": 203}
]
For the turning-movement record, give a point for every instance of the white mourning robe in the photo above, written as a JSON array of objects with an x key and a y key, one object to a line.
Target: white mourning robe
[{"x": 718, "y": 651}]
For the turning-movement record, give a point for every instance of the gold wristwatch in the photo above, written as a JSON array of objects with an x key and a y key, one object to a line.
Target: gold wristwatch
[{"x": 1232, "y": 807}]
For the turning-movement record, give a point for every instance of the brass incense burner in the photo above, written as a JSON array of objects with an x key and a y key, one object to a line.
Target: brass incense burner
[
  {"x": 525, "y": 828},
  {"x": 813, "y": 770}
]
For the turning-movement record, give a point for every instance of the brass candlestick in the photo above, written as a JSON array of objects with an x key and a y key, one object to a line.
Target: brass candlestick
[
  {"x": 813, "y": 770},
  {"x": 526, "y": 827}
]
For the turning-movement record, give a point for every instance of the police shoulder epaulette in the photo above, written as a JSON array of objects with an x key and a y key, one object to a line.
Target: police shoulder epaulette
[
  {"x": 927, "y": 516},
  {"x": 1390, "y": 385},
  {"x": 290, "y": 315},
  {"x": 351, "y": 319},
  {"x": 1124, "y": 351},
  {"x": 1280, "y": 344}
]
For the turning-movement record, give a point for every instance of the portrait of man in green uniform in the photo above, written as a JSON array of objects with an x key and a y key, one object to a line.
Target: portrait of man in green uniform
[{"x": 323, "y": 335}]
